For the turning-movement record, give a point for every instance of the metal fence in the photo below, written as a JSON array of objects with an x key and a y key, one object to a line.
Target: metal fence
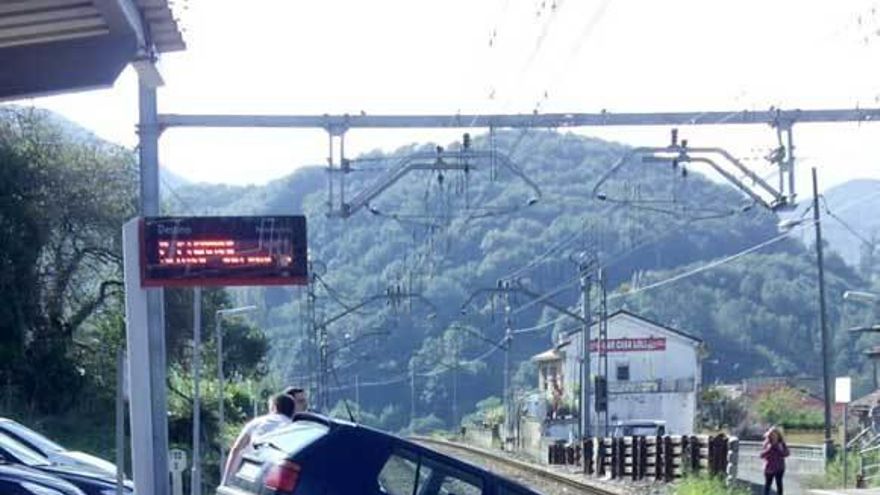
[{"x": 803, "y": 460}]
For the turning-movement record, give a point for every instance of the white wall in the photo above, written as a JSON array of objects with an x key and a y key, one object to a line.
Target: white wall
[{"x": 679, "y": 361}]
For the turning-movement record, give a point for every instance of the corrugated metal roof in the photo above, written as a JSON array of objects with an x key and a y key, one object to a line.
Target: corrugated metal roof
[
  {"x": 30, "y": 22},
  {"x": 49, "y": 46},
  {"x": 26, "y": 22},
  {"x": 162, "y": 25}
]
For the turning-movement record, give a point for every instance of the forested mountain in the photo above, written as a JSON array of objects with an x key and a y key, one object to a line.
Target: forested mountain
[
  {"x": 661, "y": 237},
  {"x": 446, "y": 235},
  {"x": 857, "y": 235}
]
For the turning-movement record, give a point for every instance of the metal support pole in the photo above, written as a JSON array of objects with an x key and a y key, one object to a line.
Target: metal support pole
[
  {"x": 196, "y": 480},
  {"x": 323, "y": 369},
  {"x": 455, "y": 387},
  {"x": 874, "y": 376},
  {"x": 221, "y": 388},
  {"x": 508, "y": 385},
  {"x": 155, "y": 445},
  {"x": 823, "y": 320},
  {"x": 586, "y": 430},
  {"x": 312, "y": 354},
  {"x": 120, "y": 421},
  {"x": 412, "y": 393},
  {"x": 845, "y": 408},
  {"x": 790, "y": 164},
  {"x": 603, "y": 348}
]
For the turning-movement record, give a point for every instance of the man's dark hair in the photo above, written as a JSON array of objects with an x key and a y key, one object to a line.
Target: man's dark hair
[
  {"x": 292, "y": 391},
  {"x": 283, "y": 404}
]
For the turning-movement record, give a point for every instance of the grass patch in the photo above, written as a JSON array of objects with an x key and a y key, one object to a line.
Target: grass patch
[{"x": 705, "y": 485}]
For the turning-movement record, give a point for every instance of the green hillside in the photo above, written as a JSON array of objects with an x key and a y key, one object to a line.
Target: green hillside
[{"x": 431, "y": 236}]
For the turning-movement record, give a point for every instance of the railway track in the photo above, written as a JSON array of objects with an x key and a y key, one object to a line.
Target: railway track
[{"x": 536, "y": 477}]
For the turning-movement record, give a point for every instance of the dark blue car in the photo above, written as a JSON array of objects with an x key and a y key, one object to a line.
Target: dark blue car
[
  {"x": 319, "y": 455},
  {"x": 21, "y": 480},
  {"x": 90, "y": 481}
]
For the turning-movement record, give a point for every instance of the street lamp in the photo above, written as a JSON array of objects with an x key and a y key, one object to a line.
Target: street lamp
[
  {"x": 871, "y": 298},
  {"x": 861, "y": 296},
  {"x": 823, "y": 316},
  {"x": 221, "y": 386}
]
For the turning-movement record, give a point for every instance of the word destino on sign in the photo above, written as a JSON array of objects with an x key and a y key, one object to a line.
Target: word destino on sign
[{"x": 223, "y": 251}]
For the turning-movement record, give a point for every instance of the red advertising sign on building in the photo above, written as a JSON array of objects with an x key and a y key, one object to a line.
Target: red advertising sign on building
[{"x": 632, "y": 345}]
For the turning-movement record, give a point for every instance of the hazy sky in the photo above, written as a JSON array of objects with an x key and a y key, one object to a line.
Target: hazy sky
[{"x": 419, "y": 56}]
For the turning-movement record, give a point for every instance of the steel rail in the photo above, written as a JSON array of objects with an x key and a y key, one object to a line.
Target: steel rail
[{"x": 538, "y": 471}]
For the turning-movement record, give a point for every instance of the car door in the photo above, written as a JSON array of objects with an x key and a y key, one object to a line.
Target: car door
[{"x": 408, "y": 472}]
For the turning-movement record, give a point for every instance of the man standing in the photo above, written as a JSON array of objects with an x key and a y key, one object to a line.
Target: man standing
[
  {"x": 281, "y": 409},
  {"x": 300, "y": 400}
]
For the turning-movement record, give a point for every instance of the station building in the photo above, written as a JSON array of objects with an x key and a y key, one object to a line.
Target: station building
[{"x": 653, "y": 374}]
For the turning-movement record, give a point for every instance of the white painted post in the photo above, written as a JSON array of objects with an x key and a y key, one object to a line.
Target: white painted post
[
  {"x": 843, "y": 395},
  {"x": 138, "y": 343},
  {"x": 177, "y": 465}
]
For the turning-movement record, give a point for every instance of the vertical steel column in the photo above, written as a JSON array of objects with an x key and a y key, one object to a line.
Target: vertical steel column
[
  {"x": 823, "y": 320},
  {"x": 221, "y": 387},
  {"x": 196, "y": 480},
  {"x": 508, "y": 385},
  {"x": 412, "y": 393},
  {"x": 789, "y": 156},
  {"x": 455, "y": 386},
  {"x": 586, "y": 430},
  {"x": 148, "y": 134},
  {"x": 120, "y": 421},
  {"x": 603, "y": 348},
  {"x": 312, "y": 329}
]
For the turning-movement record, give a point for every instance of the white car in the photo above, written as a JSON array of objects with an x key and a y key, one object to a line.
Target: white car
[
  {"x": 639, "y": 427},
  {"x": 56, "y": 454}
]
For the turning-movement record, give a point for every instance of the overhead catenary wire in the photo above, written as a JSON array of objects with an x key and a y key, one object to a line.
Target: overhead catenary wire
[{"x": 704, "y": 267}]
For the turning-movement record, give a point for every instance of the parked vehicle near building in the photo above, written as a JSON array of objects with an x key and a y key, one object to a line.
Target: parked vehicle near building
[{"x": 639, "y": 428}]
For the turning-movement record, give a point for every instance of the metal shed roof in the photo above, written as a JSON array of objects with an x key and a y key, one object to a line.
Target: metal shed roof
[{"x": 60, "y": 45}]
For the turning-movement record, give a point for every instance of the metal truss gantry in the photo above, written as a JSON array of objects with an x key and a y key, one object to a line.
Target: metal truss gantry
[{"x": 782, "y": 121}]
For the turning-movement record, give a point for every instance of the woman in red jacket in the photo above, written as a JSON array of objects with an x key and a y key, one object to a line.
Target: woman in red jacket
[{"x": 774, "y": 453}]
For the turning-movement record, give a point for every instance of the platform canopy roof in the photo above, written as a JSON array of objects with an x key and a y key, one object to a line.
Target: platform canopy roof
[{"x": 53, "y": 46}]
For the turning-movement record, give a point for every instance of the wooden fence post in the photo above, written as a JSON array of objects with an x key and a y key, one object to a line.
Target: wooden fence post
[
  {"x": 696, "y": 453},
  {"x": 732, "y": 460},
  {"x": 658, "y": 458},
  {"x": 643, "y": 458},
  {"x": 668, "y": 459},
  {"x": 588, "y": 456}
]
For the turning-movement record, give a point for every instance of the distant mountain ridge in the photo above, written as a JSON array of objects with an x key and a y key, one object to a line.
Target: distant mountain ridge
[
  {"x": 857, "y": 203},
  {"x": 413, "y": 238}
]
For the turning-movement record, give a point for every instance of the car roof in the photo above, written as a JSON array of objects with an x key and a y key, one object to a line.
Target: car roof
[
  {"x": 335, "y": 424},
  {"x": 24, "y": 473}
]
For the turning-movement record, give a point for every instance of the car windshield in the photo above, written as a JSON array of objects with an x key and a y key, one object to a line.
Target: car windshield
[
  {"x": 21, "y": 452},
  {"x": 292, "y": 439},
  {"x": 37, "y": 440}
]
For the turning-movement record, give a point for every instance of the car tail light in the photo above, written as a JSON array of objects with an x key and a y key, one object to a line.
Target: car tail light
[{"x": 282, "y": 477}]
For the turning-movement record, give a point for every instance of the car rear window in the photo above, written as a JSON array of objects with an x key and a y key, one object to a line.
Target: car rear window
[
  {"x": 25, "y": 454},
  {"x": 292, "y": 439},
  {"x": 30, "y": 436}
]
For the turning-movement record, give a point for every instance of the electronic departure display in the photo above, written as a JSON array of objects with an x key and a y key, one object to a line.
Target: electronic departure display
[{"x": 223, "y": 251}]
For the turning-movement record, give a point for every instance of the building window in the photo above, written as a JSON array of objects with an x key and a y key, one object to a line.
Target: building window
[{"x": 623, "y": 372}]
